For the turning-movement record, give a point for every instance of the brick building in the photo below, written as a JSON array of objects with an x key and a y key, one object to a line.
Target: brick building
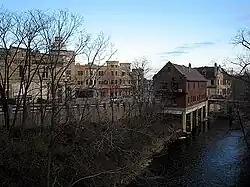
[
  {"x": 114, "y": 79},
  {"x": 181, "y": 91}
]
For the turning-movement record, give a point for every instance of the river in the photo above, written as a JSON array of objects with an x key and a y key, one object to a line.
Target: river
[{"x": 214, "y": 156}]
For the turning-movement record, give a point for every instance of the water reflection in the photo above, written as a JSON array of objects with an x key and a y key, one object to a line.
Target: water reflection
[
  {"x": 211, "y": 157},
  {"x": 221, "y": 163}
]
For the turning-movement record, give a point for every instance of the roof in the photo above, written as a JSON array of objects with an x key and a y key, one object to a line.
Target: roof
[
  {"x": 191, "y": 74},
  {"x": 207, "y": 72}
]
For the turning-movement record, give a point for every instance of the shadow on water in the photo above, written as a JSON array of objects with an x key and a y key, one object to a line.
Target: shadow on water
[{"x": 213, "y": 156}]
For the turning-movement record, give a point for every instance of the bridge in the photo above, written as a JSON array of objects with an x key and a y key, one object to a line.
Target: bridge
[
  {"x": 224, "y": 105},
  {"x": 225, "y": 100}
]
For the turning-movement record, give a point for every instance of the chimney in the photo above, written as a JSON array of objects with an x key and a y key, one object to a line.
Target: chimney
[
  {"x": 189, "y": 67},
  {"x": 215, "y": 69}
]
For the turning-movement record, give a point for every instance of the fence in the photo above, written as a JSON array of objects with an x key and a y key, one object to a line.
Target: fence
[{"x": 77, "y": 112}]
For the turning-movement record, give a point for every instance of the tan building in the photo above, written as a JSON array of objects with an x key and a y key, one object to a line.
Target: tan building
[
  {"x": 35, "y": 67},
  {"x": 218, "y": 85},
  {"x": 113, "y": 79}
]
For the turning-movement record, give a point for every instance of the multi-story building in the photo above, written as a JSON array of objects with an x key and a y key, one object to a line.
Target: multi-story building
[
  {"x": 219, "y": 84},
  {"x": 34, "y": 68},
  {"x": 181, "y": 91},
  {"x": 113, "y": 79}
]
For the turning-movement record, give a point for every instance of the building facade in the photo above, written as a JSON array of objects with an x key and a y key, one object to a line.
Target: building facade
[
  {"x": 181, "y": 91},
  {"x": 219, "y": 84},
  {"x": 114, "y": 79},
  {"x": 34, "y": 68}
]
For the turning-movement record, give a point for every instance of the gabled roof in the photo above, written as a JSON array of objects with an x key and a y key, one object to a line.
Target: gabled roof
[
  {"x": 191, "y": 74},
  {"x": 207, "y": 72}
]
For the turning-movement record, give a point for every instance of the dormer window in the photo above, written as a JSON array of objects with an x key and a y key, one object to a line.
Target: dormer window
[{"x": 204, "y": 73}]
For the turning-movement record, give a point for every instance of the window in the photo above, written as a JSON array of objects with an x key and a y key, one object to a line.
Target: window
[
  {"x": 120, "y": 81},
  {"x": 100, "y": 73},
  {"x": 112, "y": 82},
  {"x": 21, "y": 71},
  {"x": 105, "y": 82},
  {"x": 80, "y": 73},
  {"x": 115, "y": 81},
  {"x": 123, "y": 73},
  {"x": 78, "y": 82},
  {"x": 191, "y": 99},
  {"x": 115, "y": 73},
  {"x": 81, "y": 82},
  {"x": 218, "y": 82},
  {"x": 194, "y": 84},
  {"x": 68, "y": 72},
  {"x": 94, "y": 82},
  {"x": 164, "y": 85},
  {"x": 188, "y": 100},
  {"x": 212, "y": 82},
  {"x": 45, "y": 72},
  {"x": 91, "y": 72},
  {"x": 112, "y": 73},
  {"x": 169, "y": 69},
  {"x": 91, "y": 82},
  {"x": 87, "y": 82},
  {"x": 112, "y": 66}
]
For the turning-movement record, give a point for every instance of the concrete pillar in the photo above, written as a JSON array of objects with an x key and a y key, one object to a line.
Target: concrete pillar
[
  {"x": 197, "y": 117},
  {"x": 225, "y": 108},
  {"x": 206, "y": 111},
  {"x": 202, "y": 118},
  {"x": 191, "y": 121},
  {"x": 184, "y": 121}
]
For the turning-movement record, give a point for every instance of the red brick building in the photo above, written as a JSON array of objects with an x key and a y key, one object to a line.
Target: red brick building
[{"x": 181, "y": 90}]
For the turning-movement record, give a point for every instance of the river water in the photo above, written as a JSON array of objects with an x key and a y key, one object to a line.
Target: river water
[{"x": 216, "y": 155}]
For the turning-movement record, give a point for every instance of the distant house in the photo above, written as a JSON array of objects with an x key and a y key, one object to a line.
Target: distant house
[
  {"x": 219, "y": 84},
  {"x": 181, "y": 90}
]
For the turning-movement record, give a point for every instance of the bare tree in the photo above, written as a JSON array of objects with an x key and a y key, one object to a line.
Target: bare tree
[
  {"x": 20, "y": 40},
  {"x": 238, "y": 70},
  {"x": 140, "y": 90},
  {"x": 70, "y": 151}
]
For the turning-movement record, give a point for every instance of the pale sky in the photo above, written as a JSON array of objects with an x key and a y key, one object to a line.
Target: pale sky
[{"x": 182, "y": 31}]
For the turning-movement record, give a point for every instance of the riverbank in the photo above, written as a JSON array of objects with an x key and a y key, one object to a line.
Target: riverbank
[{"x": 85, "y": 154}]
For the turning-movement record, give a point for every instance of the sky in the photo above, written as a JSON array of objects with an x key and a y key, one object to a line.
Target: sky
[{"x": 199, "y": 32}]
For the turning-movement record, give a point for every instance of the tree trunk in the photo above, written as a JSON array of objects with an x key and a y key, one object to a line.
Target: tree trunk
[
  {"x": 5, "y": 108},
  {"x": 25, "y": 112}
]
